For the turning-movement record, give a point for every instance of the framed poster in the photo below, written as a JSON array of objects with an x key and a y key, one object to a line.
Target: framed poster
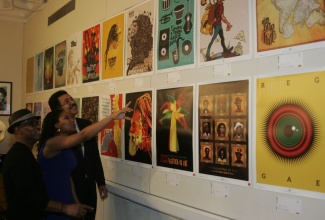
[
  {"x": 224, "y": 31},
  {"x": 38, "y": 72},
  {"x": 110, "y": 138},
  {"x": 138, "y": 130},
  {"x": 176, "y": 30},
  {"x": 140, "y": 25},
  {"x": 174, "y": 128},
  {"x": 90, "y": 54},
  {"x": 229, "y": 120},
  {"x": 284, "y": 26},
  {"x": 289, "y": 128},
  {"x": 113, "y": 36},
  {"x": 48, "y": 68},
  {"x": 5, "y": 98}
]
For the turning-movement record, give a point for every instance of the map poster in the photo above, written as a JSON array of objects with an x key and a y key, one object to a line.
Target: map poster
[
  {"x": 140, "y": 26},
  {"x": 289, "y": 131},
  {"x": 138, "y": 130},
  {"x": 174, "y": 128},
  {"x": 113, "y": 47},
  {"x": 227, "y": 39},
  {"x": 282, "y": 24},
  {"x": 111, "y": 136},
  {"x": 176, "y": 30},
  {"x": 223, "y": 129},
  {"x": 90, "y": 54}
]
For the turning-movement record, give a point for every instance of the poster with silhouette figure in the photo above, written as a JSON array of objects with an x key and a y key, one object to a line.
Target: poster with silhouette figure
[
  {"x": 48, "y": 68},
  {"x": 286, "y": 25},
  {"x": 175, "y": 37},
  {"x": 90, "y": 54},
  {"x": 113, "y": 47},
  {"x": 174, "y": 128},
  {"x": 225, "y": 128},
  {"x": 140, "y": 26},
  {"x": 289, "y": 131},
  {"x": 60, "y": 64},
  {"x": 224, "y": 31}
]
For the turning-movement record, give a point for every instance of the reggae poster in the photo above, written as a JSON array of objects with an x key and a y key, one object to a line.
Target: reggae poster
[
  {"x": 138, "y": 130},
  {"x": 174, "y": 128},
  {"x": 289, "y": 131},
  {"x": 111, "y": 136},
  {"x": 283, "y": 24},
  {"x": 90, "y": 54},
  {"x": 140, "y": 26},
  {"x": 113, "y": 47},
  {"x": 175, "y": 43},
  {"x": 223, "y": 129}
]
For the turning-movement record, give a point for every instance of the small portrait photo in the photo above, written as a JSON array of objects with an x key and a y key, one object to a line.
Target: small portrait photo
[
  {"x": 206, "y": 129},
  {"x": 206, "y": 104},
  {"x": 222, "y": 105},
  {"x": 238, "y": 104},
  {"x": 238, "y": 155},
  {"x": 206, "y": 152},
  {"x": 238, "y": 129},
  {"x": 222, "y": 130},
  {"x": 222, "y": 154}
]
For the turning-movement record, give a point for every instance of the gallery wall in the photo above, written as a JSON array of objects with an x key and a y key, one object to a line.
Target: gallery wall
[{"x": 191, "y": 194}]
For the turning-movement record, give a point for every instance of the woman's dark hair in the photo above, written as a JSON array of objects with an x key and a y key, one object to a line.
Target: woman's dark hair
[{"x": 48, "y": 126}]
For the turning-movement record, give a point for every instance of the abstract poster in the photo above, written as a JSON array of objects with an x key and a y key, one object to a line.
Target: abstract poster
[
  {"x": 111, "y": 136},
  {"x": 140, "y": 25},
  {"x": 282, "y": 24},
  {"x": 38, "y": 72},
  {"x": 89, "y": 108},
  {"x": 174, "y": 128},
  {"x": 138, "y": 130},
  {"x": 223, "y": 129},
  {"x": 113, "y": 47},
  {"x": 289, "y": 131},
  {"x": 90, "y": 54},
  {"x": 60, "y": 60},
  {"x": 29, "y": 75},
  {"x": 224, "y": 31},
  {"x": 74, "y": 65},
  {"x": 176, "y": 29},
  {"x": 48, "y": 68}
]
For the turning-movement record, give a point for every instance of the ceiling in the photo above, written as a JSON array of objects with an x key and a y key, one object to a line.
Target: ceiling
[{"x": 20, "y": 10}]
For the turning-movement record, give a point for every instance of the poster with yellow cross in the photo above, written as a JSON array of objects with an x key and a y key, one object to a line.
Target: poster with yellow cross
[{"x": 290, "y": 131}]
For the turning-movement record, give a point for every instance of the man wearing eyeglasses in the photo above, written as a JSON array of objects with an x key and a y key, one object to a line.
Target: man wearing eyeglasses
[
  {"x": 24, "y": 188},
  {"x": 89, "y": 170}
]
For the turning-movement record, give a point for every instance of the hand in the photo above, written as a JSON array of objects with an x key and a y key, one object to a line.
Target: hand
[
  {"x": 102, "y": 192},
  {"x": 76, "y": 210},
  {"x": 121, "y": 113},
  {"x": 229, "y": 26}
]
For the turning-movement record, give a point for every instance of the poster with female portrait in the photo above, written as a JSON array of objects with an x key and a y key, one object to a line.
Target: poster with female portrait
[
  {"x": 90, "y": 54},
  {"x": 174, "y": 128},
  {"x": 206, "y": 149},
  {"x": 140, "y": 25},
  {"x": 222, "y": 129},
  {"x": 222, "y": 154},
  {"x": 110, "y": 138},
  {"x": 138, "y": 130},
  {"x": 113, "y": 47},
  {"x": 176, "y": 30}
]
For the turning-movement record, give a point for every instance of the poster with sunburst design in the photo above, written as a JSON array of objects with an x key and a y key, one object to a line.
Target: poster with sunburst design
[{"x": 289, "y": 125}]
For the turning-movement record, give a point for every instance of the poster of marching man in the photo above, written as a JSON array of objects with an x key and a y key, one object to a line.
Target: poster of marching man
[{"x": 224, "y": 31}]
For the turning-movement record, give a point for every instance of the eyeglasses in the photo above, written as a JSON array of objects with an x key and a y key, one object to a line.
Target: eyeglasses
[
  {"x": 67, "y": 101},
  {"x": 31, "y": 122}
]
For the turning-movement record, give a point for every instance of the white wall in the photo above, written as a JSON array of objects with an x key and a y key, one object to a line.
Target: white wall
[
  {"x": 11, "y": 60},
  {"x": 147, "y": 189}
]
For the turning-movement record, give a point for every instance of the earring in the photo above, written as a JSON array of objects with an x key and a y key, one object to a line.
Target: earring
[{"x": 58, "y": 131}]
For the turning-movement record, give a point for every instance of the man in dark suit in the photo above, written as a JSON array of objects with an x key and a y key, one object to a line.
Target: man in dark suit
[{"x": 89, "y": 169}]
